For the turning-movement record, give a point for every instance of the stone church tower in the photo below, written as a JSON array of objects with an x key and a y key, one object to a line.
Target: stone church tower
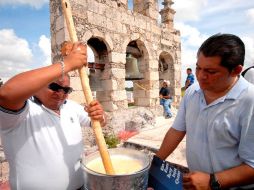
[{"x": 138, "y": 47}]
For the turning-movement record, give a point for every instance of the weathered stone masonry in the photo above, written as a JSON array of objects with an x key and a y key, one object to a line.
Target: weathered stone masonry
[{"x": 113, "y": 32}]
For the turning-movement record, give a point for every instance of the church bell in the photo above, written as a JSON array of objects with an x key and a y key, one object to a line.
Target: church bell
[
  {"x": 94, "y": 77},
  {"x": 131, "y": 68}
]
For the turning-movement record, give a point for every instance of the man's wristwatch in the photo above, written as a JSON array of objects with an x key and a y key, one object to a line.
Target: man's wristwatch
[{"x": 214, "y": 183}]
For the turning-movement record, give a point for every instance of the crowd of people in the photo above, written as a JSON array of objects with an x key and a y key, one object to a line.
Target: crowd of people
[{"x": 41, "y": 128}]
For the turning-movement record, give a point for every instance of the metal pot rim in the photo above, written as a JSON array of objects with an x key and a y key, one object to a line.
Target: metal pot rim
[{"x": 116, "y": 151}]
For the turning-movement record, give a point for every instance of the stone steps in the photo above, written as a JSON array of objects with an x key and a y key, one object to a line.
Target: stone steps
[{"x": 151, "y": 139}]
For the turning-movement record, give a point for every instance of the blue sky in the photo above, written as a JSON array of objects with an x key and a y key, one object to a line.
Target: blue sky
[
  {"x": 25, "y": 35},
  {"x": 28, "y": 22}
]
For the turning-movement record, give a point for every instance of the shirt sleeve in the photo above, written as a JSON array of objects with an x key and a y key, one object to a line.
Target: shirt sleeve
[
  {"x": 84, "y": 119},
  {"x": 10, "y": 119},
  {"x": 168, "y": 91},
  {"x": 180, "y": 120},
  {"x": 246, "y": 145},
  {"x": 180, "y": 123}
]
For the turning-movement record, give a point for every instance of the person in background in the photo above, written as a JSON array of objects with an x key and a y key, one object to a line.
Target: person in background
[
  {"x": 166, "y": 99},
  {"x": 190, "y": 78},
  {"x": 248, "y": 74},
  {"x": 217, "y": 117},
  {"x": 41, "y": 129},
  {"x": 1, "y": 82}
]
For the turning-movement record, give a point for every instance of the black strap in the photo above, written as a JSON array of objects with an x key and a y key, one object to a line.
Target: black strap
[
  {"x": 81, "y": 188},
  {"x": 245, "y": 71}
]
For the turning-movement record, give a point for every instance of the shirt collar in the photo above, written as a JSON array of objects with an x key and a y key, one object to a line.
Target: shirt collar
[
  {"x": 51, "y": 111},
  {"x": 234, "y": 92},
  {"x": 237, "y": 89}
]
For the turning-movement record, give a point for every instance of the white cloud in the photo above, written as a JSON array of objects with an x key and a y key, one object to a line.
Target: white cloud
[
  {"x": 191, "y": 41},
  {"x": 199, "y": 19},
  {"x": 188, "y": 9},
  {"x": 226, "y": 6},
  {"x": 188, "y": 58},
  {"x": 190, "y": 35},
  {"x": 15, "y": 54},
  {"x": 250, "y": 15},
  {"x": 33, "y": 3},
  {"x": 45, "y": 47},
  {"x": 249, "y": 46}
]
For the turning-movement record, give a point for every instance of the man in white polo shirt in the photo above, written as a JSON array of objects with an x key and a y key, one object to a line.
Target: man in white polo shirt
[
  {"x": 41, "y": 135},
  {"x": 217, "y": 117}
]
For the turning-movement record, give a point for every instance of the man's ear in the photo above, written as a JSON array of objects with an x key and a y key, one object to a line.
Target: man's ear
[{"x": 237, "y": 70}]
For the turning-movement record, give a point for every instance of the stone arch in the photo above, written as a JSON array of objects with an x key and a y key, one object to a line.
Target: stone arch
[
  {"x": 116, "y": 27},
  {"x": 101, "y": 51},
  {"x": 166, "y": 66},
  {"x": 134, "y": 37},
  {"x": 136, "y": 67},
  {"x": 106, "y": 38},
  {"x": 166, "y": 69}
]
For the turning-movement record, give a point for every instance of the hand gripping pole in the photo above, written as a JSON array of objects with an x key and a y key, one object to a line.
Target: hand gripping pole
[{"x": 87, "y": 92}]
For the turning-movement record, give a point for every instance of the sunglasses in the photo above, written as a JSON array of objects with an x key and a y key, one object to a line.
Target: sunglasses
[{"x": 56, "y": 88}]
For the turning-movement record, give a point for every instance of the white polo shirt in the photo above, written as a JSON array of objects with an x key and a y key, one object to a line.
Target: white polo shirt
[
  {"x": 220, "y": 135},
  {"x": 44, "y": 149}
]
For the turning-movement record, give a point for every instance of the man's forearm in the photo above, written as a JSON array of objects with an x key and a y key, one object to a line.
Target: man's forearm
[
  {"x": 237, "y": 176},
  {"x": 170, "y": 142},
  {"x": 22, "y": 86},
  {"x": 187, "y": 83}
]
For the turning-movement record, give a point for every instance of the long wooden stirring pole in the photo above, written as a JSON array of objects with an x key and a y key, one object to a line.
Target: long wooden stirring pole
[{"x": 88, "y": 94}]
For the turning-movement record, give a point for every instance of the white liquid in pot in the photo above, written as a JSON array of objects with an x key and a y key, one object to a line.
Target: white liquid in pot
[{"x": 121, "y": 165}]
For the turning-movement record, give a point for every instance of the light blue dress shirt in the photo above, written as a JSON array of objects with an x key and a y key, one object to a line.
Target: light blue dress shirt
[{"x": 220, "y": 135}]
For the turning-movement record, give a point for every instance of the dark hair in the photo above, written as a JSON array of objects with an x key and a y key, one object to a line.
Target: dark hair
[
  {"x": 189, "y": 69},
  {"x": 229, "y": 47}
]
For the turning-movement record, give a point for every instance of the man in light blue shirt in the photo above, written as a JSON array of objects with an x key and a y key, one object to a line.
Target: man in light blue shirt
[{"x": 217, "y": 117}]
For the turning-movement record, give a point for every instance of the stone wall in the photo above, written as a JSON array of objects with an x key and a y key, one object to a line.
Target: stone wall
[
  {"x": 4, "y": 167},
  {"x": 114, "y": 33}
]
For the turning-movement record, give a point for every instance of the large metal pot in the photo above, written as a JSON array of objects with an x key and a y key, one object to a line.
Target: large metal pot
[{"x": 135, "y": 181}]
